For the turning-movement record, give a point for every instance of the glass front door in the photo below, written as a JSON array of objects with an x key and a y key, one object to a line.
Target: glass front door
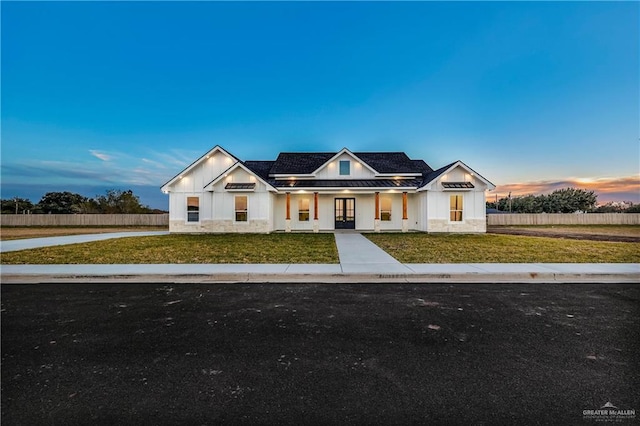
[{"x": 345, "y": 213}]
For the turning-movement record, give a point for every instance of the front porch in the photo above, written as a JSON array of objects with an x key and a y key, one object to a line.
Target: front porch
[{"x": 367, "y": 212}]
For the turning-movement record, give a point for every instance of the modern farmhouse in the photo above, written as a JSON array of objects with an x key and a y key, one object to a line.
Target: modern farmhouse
[{"x": 323, "y": 191}]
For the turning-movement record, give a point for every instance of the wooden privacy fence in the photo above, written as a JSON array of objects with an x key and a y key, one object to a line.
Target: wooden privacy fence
[
  {"x": 564, "y": 219},
  {"x": 84, "y": 219}
]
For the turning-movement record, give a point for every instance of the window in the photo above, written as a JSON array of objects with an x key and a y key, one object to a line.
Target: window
[
  {"x": 385, "y": 209},
  {"x": 303, "y": 210},
  {"x": 241, "y": 208},
  {"x": 345, "y": 168},
  {"x": 193, "y": 209},
  {"x": 455, "y": 208}
]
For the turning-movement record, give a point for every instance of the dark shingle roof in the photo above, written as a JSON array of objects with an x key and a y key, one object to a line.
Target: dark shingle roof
[
  {"x": 261, "y": 168},
  {"x": 300, "y": 162},
  {"x": 382, "y": 162},
  {"x": 390, "y": 162}
]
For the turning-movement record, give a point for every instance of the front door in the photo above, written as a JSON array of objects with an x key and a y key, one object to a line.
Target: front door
[{"x": 345, "y": 213}]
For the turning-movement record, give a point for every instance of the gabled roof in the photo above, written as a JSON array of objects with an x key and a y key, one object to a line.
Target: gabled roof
[
  {"x": 196, "y": 163},
  {"x": 432, "y": 176},
  {"x": 417, "y": 173},
  {"x": 307, "y": 163},
  {"x": 350, "y": 154},
  {"x": 241, "y": 165}
]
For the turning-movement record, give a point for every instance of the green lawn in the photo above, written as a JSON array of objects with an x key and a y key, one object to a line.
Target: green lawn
[
  {"x": 321, "y": 248},
  {"x": 227, "y": 248},
  {"x": 488, "y": 248}
]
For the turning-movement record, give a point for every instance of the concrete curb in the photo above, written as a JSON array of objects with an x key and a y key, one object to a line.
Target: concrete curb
[{"x": 324, "y": 278}]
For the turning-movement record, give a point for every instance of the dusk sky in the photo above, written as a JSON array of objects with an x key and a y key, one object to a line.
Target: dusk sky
[{"x": 534, "y": 96}]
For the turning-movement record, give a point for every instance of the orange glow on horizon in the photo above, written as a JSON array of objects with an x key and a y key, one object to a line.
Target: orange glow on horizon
[{"x": 608, "y": 189}]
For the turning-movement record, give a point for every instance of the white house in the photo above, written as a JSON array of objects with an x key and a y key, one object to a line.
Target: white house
[{"x": 323, "y": 191}]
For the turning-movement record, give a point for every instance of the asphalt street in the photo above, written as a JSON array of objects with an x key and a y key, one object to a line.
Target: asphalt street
[{"x": 317, "y": 353}]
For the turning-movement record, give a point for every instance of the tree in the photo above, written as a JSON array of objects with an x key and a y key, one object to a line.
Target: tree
[
  {"x": 569, "y": 200},
  {"x": 116, "y": 201},
  {"x": 61, "y": 203},
  {"x": 635, "y": 208},
  {"x": 15, "y": 205}
]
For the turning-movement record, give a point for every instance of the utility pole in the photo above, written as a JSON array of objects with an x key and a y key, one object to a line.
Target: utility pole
[
  {"x": 16, "y": 205},
  {"x": 509, "y": 201}
]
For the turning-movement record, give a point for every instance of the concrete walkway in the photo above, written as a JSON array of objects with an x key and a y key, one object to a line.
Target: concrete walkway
[
  {"x": 360, "y": 261},
  {"x": 15, "y": 245},
  {"x": 359, "y": 255}
]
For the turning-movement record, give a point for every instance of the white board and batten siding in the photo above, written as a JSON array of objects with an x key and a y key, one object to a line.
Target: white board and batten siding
[
  {"x": 217, "y": 206},
  {"x": 357, "y": 169},
  {"x": 438, "y": 201}
]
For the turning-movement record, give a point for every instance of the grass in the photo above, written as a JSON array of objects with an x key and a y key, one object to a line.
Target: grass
[
  {"x": 19, "y": 232},
  {"x": 212, "y": 248},
  {"x": 489, "y": 248},
  {"x": 321, "y": 248}
]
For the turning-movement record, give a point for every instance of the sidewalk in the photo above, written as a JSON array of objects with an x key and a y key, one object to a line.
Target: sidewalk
[
  {"x": 360, "y": 261},
  {"x": 325, "y": 273},
  {"x": 15, "y": 245}
]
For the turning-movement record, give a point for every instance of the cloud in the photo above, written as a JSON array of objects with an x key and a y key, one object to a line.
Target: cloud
[
  {"x": 101, "y": 155},
  {"x": 625, "y": 188},
  {"x": 154, "y": 163}
]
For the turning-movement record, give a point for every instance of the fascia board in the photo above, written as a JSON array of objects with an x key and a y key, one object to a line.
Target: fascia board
[
  {"x": 165, "y": 187},
  {"x": 343, "y": 151}
]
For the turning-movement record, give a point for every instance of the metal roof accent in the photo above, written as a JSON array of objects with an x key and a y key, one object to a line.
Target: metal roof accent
[
  {"x": 238, "y": 185},
  {"x": 347, "y": 183},
  {"x": 452, "y": 185}
]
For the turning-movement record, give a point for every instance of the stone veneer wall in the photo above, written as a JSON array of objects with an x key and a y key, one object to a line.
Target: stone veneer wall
[
  {"x": 469, "y": 225},
  {"x": 219, "y": 226}
]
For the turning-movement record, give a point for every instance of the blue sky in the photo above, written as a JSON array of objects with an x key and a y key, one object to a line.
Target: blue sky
[{"x": 533, "y": 96}]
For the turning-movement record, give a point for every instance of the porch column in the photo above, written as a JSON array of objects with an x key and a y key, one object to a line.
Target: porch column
[
  {"x": 316, "y": 224},
  {"x": 405, "y": 218},
  {"x": 287, "y": 222},
  {"x": 376, "y": 221}
]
